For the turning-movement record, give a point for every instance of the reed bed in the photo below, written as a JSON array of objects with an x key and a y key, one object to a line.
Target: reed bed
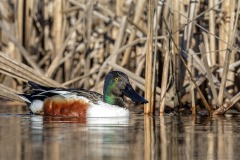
[{"x": 180, "y": 54}]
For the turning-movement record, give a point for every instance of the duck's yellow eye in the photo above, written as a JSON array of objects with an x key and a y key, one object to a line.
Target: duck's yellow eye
[{"x": 116, "y": 79}]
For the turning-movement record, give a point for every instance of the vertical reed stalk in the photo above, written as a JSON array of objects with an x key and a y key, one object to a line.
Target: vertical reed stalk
[
  {"x": 19, "y": 33},
  {"x": 164, "y": 79},
  {"x": 19, "y": 26},
  {"x": 46, "y": 29},
  {"x": 212, "y": 26},
  {"x": 28, "y": 22},
  {"x": 189, "y": 30},
  {"x": 120, "y": 35},
  {"x": 57, "y": 39},
  {"x": 177, "y": 61},
  {"x": 119, "y": 6},
  {"x": 156, "y": 11},
  {"x": 57, "y": 27},
  {"x": 88, "y": 23},
  {"x": 148, "y": 108},
  {"x": 231, "y": 35},
  {"x": 223, "y": 31},
  {"x": 165, "y": 72},
  {"x": 193, "y": 92}
]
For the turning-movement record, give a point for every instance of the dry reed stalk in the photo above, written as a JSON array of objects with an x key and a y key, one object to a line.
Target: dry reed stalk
[
  {"x": 192, "y": 90},
  {"x": 226, "y": 106},
  {"x": 156, "y": 18},
  {"x": 19, "y": 34},
  {"x": 8, "y": 93},
  {"x": 187, "y": 44},
  {"x": 206, "y": 47},
  {"x": 148, "y": 108},
  {"x": 209, "y": 75},
  {"x": 175, "y": 89},
  {"x": 46, "y": 28},
  {"x": 223, "y": 30},
  {"x": 138, "y": 27},
  {"x": 189, "y": 27},
  {"x": 57, "y": 28},
  {"x": 164, "y": 79},
  {"x": 165, "y": 73},
  {"x": 28, "y": 23},
  {"x": 57, "y": 39},
  {"x": 176, "y": 59},
  {"x": 232, "y": 66},
  {"x": 231, "y": 37},
  {"x": 19, "y": 28},
  {"x": 212, "y": 41},
  {"x": 68, "y": 62},
  {"x": 119, "y": 6},
  {"x": 87, "y": 38},
  {"x": 141, "y": 64},
  {"x": 13, "y": 103},
  {"x": 79, "y": 78},
  {"x": 139, "y": 9},
  {"x": 120, "y": 35}
]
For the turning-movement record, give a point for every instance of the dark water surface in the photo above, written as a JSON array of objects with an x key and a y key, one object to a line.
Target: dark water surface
[{"x": 25, "y": 136}]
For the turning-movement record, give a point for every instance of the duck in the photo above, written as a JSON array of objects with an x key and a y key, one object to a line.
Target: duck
[{"x": 75, "y": 102}]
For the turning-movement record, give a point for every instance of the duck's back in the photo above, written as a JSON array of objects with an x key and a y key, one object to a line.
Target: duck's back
[{"x": 60, "y": 101}]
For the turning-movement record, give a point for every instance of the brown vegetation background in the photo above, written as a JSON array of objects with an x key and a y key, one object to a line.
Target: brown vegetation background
[{"x": 177, "y": 52}]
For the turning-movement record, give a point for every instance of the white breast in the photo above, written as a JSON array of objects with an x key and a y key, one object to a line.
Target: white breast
[
  {"x": 106, "y": 110},
  {"x": 36, "y": 107}
]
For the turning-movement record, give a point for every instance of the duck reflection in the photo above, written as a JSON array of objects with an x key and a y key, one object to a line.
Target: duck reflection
[{"x": 89, "y": 138}]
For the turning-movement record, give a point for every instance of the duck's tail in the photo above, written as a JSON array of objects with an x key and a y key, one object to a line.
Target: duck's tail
[
  {"x": 38, "y": 86},
  {"x": 25, "y": 97},
  {"x": 36, "y": 93}
]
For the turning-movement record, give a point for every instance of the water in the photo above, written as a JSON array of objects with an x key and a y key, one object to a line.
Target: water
[{"x": 25, "y": 136}]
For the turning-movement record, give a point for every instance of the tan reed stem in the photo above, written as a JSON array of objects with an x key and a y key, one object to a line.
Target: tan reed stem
[{"x": 148, "y": 108}]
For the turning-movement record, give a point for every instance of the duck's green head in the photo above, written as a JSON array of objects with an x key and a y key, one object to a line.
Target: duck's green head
[{"x": 116, "y": 85}]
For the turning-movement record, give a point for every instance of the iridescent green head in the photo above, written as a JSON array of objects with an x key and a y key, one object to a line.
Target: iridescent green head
[{"x": 116, "y": 85}]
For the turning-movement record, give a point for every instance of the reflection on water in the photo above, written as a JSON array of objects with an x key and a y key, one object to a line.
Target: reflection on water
[{"x": 24, "y": 136}]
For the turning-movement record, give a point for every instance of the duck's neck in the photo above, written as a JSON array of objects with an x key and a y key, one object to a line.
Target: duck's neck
[
  {"x": 110, "y": 97},
  {"x": 113, "y": 100}
]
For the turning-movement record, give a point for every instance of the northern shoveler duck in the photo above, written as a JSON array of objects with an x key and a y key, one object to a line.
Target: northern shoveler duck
[{"x": 62, "y": 102}]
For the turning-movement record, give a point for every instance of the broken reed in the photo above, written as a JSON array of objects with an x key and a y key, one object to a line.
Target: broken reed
[{"x": 74, "y": 44}]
